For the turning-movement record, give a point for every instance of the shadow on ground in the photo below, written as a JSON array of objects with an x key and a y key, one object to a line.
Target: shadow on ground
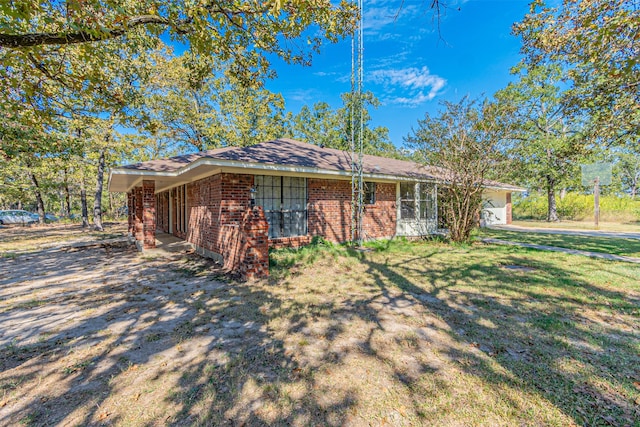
[{"x": 108, "y": 336}]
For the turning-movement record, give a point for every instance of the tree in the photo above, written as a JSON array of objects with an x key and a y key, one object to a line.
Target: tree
[
  {"x": 320, "y": 125},
  {"x": 596, "y": 42},
  {"x": 28, "y": 146},
  {"x": 245, "y": 34},
  {"x": 627, "y": 167},
  {"x": 185, "y": 112},
  {"x": 546, "y": 146},
  {"x": 465, "y": 141}
]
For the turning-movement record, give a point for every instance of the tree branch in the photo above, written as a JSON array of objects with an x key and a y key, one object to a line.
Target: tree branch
[{"x": 74, "y": 37}]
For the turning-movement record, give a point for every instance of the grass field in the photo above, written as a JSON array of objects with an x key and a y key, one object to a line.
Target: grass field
[
  {"x": 631, "y": 226},
  {"x": 398, "y": 334},
  {"x": 609, "y": 245}
]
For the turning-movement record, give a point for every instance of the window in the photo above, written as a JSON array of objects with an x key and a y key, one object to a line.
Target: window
[
  {"x": 427, "y": 201},
  {"x": 284, "y": 200},
  {"x": 369, "y": 193},
  {"x": 417, "y": 201},
  {"x": 407, "y": 200}
]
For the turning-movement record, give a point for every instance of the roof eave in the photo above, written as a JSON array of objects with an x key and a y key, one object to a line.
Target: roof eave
[{"x": 264, "y": 167}]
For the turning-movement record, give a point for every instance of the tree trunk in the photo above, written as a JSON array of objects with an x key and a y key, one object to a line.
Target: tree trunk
[
  {"x": 552, "y": 212},
  {"x": 97, "y": 203},
  {"x": 83, "y": 203},
  {"x": 67, "y": 195},
  {"x": 563, "y": 193},
  {"x": 38, "y": 198}
]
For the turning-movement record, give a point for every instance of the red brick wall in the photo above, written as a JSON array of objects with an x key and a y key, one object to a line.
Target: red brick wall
[
  {"x": 221, "y": 219},
  {"x": 149, "y": 213},
  {"x": 329, "y": 209},
  {"x": 138, "y": 228},
  {"x": 509, "y": 209},
  {"x": 131, "y": 212},
  {"x": 379, "y": 219}
]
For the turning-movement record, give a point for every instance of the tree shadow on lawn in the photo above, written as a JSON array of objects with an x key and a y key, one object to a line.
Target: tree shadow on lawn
[
  {"x": 155, "y": 341},
  {"x": 146, "y": 343},
  {"x": 548, "y": 331}
]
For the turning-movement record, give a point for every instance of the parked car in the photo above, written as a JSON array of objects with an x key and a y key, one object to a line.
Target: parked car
[
  {"x": 50, "y": 218},
  {"x": 18, "y": 217}
]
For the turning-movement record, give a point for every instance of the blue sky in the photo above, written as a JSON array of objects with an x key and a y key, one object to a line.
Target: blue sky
[{"x": 408, "y": 65}]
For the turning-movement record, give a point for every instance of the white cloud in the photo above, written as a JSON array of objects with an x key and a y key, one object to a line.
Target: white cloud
[
  {"x": 411, "y": 101},
  {"x": 376, "y": 18},
  {"x": 305, "y": 96},
  {"x": 414, "y": 83}
]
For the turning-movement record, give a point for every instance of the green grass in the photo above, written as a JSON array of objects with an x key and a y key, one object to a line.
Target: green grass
[
  {"x": 620, "y": 226},
  {"x": 555, "y": 344},
  {"x": 615, "y": 246}
]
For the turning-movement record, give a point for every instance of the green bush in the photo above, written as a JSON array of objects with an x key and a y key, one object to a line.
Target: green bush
[{"x": 576, "y": 206}]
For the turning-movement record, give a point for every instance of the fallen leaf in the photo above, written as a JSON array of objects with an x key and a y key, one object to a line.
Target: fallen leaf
[
  {"x": 136, "y": 397},
  {"x": 103, "y": 415}
]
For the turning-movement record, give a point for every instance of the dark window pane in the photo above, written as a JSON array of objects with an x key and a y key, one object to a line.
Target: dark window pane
[
  {"x": 284, "y": 200},
  {"x": 369, "y": 193},
  {"x": 407, "y": 209}
]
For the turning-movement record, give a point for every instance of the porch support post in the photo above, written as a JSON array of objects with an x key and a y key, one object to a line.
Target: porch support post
[
  {"x": 149, "y": 214},
  {"x": 138, "y": 228}
]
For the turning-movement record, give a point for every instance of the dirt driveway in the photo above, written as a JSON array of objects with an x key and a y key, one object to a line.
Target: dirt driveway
[{"x": 85, "y": 333}]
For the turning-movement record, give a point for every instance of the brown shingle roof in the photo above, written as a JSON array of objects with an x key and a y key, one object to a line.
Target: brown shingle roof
[
  {"x": 288, "y": 152},
  {"x": 292, "y": 153}
]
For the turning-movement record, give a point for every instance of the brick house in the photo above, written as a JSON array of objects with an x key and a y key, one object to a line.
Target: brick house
[{"x": 235, "y": 203}]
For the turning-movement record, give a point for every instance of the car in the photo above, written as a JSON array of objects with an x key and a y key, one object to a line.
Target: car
[
  {"x": 50, "y": 218},
  {"x": 18, "y": 217}
]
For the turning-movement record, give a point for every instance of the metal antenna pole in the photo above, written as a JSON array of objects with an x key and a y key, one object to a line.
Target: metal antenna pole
[
  {"x": 361, "y": 120},
  {"x": 352, "y": 119}
]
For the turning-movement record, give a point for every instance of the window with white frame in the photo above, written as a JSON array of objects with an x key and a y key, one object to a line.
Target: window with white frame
[
  {"x": 407, "y": 200},
  {"x": 427, "y": 202},
  {"x": 417, "y": 201},
  {"x": 284, "y": 200}
]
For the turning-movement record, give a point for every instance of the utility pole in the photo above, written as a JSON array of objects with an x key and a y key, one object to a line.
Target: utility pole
[{"x": 596, "y": 200}]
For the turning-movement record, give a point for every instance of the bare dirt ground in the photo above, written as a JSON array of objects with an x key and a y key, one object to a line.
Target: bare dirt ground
[{"x": 104, "y": 335}]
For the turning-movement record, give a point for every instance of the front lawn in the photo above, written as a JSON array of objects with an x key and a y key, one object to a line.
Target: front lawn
[
  {"x": 609, "y": 245},
  {"x": 473, "y": 335},
  {"x": 398, "y": 334}
]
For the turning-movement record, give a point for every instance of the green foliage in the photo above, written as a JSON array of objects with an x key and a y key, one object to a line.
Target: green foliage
[
  {"x": 546, "y": 144},
  {"x": 576, "y": 206},
  {"x": 595, "y": 42},
  {"x": 320, "y": 125},
  {"x": 465, "y": 140},
  {"x": 627, "y": 170},
  {"x": 181, "y": 112},
  {"x": 244, "y": 34}
]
